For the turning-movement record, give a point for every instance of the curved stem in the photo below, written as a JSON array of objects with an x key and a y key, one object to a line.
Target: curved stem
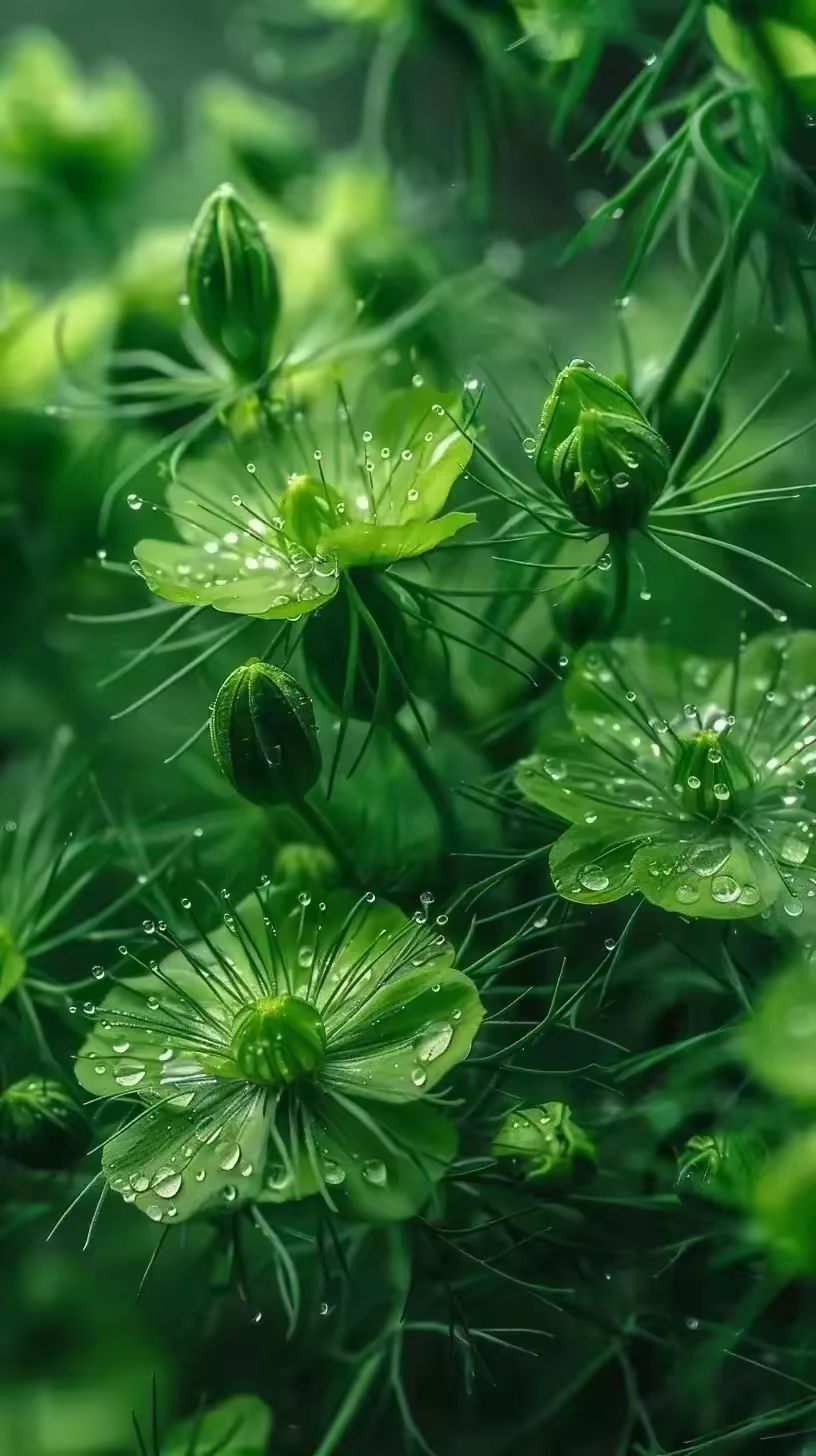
[{"x": 437, "y": 791}]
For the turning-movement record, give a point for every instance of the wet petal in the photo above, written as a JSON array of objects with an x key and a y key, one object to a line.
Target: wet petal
[
  {"x": 594, "y": 866},
  {"x": 365, "y": 543},
  {"x": 172, "y": 1164},
  {"x": 240, "y": 574},
  {"x": 405, "y": 1037},
  {"x": 720, "y": 877}
]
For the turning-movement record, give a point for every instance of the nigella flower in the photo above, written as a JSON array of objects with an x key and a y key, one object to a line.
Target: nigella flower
[
  {"x": 279, "y": 548},
  {"x": 684, "y": 778},
  {"x": 289, "y": 1052}
]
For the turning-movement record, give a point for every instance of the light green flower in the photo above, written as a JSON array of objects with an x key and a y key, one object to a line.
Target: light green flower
[
  {"x": 684, "y": 778},
  {"x": 290, "y": 1052},
  {"x": 277, "y": 550}
]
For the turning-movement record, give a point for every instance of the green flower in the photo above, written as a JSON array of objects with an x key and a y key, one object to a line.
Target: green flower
[
  {"x": 87, "y": 136},
  {"x": 278, "y": 551},
  {"x": 289, "y": 1052},
  {"x": 545, "y": 1141},
  {"x": 684, "y": 778}
]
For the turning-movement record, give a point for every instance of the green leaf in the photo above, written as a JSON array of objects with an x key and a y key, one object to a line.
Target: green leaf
[
  {"x": 779, "y": 1043},
  {"x": 172, "y": 1164},
  {"x": 719, "y": 877},
  {"x": 239, "y": 573},
  {"x": 406, "y": 1037},
  {"x": 363, "y": 543},
  {"x": 240, "y": 1426},
  {"x": 593, "y": 865}
]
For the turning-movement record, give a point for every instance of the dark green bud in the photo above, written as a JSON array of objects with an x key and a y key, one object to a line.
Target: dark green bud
[
  {"x": 598, "y": 452},
  {"x": 281, "y": 1039},
  {"x": 41, "y": 1126},
  {"x": 264, "y": 735},
  {"x": 232, "y": 284},
  {"x": 710, "y": 774},
  {"x": 309, "y": 867},
  {"x": 584, "y": 610},
  {"x": 720, "y": 1166},
  {"x": 545, "y": 1140}
]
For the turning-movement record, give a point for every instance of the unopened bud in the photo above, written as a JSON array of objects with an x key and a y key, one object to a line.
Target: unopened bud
[
  {"x": 264, "y": 735},
  {"x": 598, "y": 452},
  {"x": 232, "y": 284},
  {"x": 720, "y": 1166},
  {"x": 41, "y": 1126},
  {"x": 545, "y": 1140}
]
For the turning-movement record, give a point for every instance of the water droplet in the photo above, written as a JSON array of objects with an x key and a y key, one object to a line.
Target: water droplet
[
  {"x": 793, "y": 907},
  {"x": 434, "y": 1041},
  {"x": 594, "y": 877},
  {"x": 707, "y": 859},
  {"x": 687, "y": 893},
  {"x": 167, "y": 1183},
  {"x": 419, "y": 1077},
  {"x": 153, "y": 1211},
  {"x": 333, "y": 1173},
  {"x": 375, "y": 1172},
  {"x": 135, "y": 502},
  {"x": 230, "y": 1193},
  {"x": 228, "y": 1155},
  {"x": 725, "y": 889}
]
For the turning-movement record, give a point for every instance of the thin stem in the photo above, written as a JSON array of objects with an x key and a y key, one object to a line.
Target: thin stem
[{"x": 437, "y": 791}]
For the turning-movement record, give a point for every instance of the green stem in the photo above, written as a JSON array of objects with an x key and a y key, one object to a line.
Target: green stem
[
  {"x": 705, "y": 306},
  {"x": 351, "y": 1403},
  {"x": 325, "y": 831},
  {"x": 436, "y": 790},
  {"x": 619, "y": 552}
]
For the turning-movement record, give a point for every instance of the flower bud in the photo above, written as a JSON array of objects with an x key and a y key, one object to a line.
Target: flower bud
[
  {"x": 710, "y": 773},
  {"x": 232, "y": 284},
  {"x": 309, "y": 867},
  {"x": 545, "y": 1140},
  {"x": 41, "y": 1126},
  {"x": 598, "y": 452},
  {"x": 264, "y": 735},
  {"x": 719, "y": 1166},
  {"x": 281, "y": 1039}
]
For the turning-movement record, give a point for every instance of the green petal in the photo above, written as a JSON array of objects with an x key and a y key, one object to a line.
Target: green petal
[
  {"x": 150, "y": 1041},
  {"x": 240, "y": 1426},
  {"x": 405, "y": 1037},
  {"x": 664, "y": 680},
  {"x": 172, "y": 1164},
  {"x": 776, "y": 703},
  {"x": 241, "y": 575},
  {"x": 592, "y": 866},
  {"x": 580, "y": 780},
  {"x": 364, "y": 543},
  {"x": 792, "y": 842},
  {"x": 719, "y": 877},
  {"x": 416, "y": 423},
  {"x": 779, "y": 1043},
  {"x": 382, "y": 1165}
]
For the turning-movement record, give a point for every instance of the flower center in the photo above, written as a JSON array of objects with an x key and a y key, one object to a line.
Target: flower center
[
  {"x": 710, "y": 773},
  {"x": 279, "y": 1039}
]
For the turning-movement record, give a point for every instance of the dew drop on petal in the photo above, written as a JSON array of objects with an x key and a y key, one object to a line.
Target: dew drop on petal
[{"x": 375, "y": 1172}]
